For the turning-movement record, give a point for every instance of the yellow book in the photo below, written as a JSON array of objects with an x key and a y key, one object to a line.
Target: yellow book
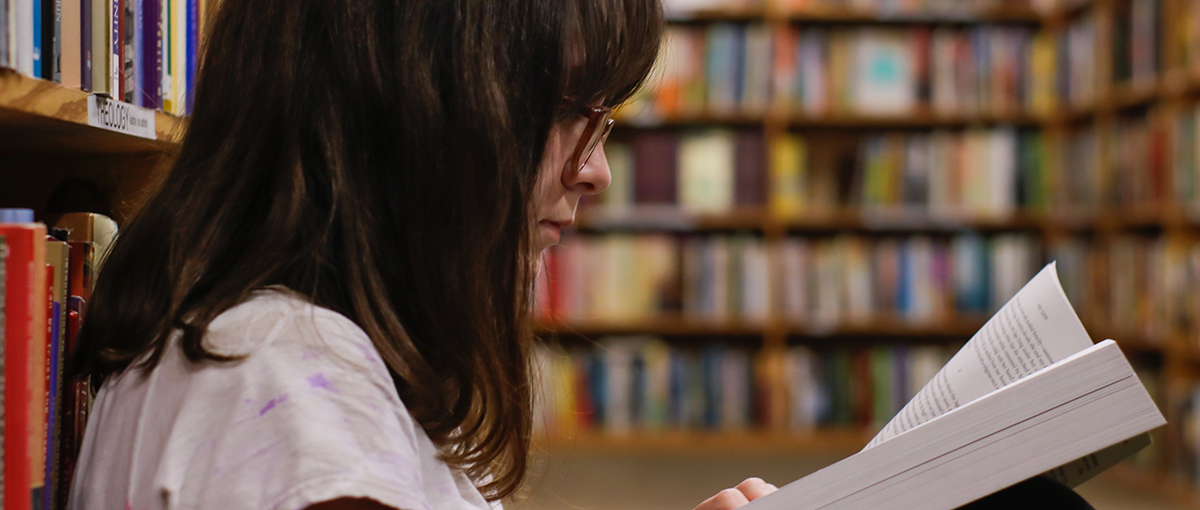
[
  {"x": 788, "y": 175},
  {"x": 1043, "y": 69}
]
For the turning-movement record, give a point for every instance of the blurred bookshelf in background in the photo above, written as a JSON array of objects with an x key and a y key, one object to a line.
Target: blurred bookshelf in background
[{"x": 812, "y": 199}]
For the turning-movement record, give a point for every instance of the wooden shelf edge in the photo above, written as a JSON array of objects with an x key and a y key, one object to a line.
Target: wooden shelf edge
[
  {"x": 31, "y": 105},
  {"x": 859, "y": 16},
  {"x": 669, "y": 441}
]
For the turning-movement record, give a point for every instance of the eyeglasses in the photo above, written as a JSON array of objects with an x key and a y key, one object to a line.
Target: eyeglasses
[{"x": 599, "y": 125}]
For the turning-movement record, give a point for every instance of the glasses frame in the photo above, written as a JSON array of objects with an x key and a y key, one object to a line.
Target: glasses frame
[{"x": 599, "y": 126}]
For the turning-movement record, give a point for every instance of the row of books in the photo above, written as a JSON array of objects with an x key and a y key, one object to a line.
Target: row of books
[
  {"x": 1184, "y": 460},
  {"x": 643, "y": 384},
  {"x": 977, "y": 173},
  {"x": 727, "y": 69},
  {"x": 971, "y": 174},
  {"x": 1152, "y": 287},
  {"x": 982, "y": 70},
  {"x": 45, "y": 280},
  {"x": 1145, "y": 159},
  {"x": 1137, "y": 39},
  {"x": 1185, "y": 156},
  {"x": 946, "y": 8},
  {"x": 814, "y": 283},
  {"x": 138, "y": 51}
]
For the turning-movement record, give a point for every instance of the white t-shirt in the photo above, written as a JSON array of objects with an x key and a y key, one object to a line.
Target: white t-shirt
[{"x": 308, "y": 416}]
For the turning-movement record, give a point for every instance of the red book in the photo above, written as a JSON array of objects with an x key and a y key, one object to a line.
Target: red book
[{"x": 24, "y": 344}]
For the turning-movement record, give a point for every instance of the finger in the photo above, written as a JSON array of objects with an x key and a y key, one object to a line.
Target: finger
[
  {"x": 727, "y": 499},
  {"x": 754, "y": 488}
]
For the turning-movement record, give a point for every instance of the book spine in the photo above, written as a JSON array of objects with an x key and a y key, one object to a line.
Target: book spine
[
  {"x": 4, "y": 256},
  {"x": 150, "y": 53},
  {"x": 139, "y": 56},
  {"x": 128, "y": 52},
  {"x": 5, "y": 46},
  {"x": 59, "y": 265},
  {"x": 101, "y": 46},
  {"x": 36, "y": 30},
  {"x": 116, "y": 57},
  {"x": 193, "y": 49},
  {"x": 54, "y": 40},
  {"x": 178, "y": 54},
  {"x": 25, "y": 335},
  {"x": 86, "y": 45}
]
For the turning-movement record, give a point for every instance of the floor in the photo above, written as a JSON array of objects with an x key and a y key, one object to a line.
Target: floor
[{"x": 630, "y": 481}]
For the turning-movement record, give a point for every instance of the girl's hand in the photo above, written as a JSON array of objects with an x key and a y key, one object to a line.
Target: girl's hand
[{"x": 744, "y": 493}]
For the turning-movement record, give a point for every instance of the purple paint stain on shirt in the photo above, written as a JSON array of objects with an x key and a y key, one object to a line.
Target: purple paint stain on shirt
[
  {"x": 368, "y": 351},
  {"x": 318, "y": 380},
  {"x": 272, "y": 403},
  {"x": 307, "y": 355}
]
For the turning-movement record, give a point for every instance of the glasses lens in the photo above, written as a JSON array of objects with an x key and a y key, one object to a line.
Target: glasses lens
[{"x": 598, "y": 130}]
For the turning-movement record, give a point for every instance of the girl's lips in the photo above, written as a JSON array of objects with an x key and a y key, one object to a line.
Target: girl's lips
[{"x": 551, "y": 230}]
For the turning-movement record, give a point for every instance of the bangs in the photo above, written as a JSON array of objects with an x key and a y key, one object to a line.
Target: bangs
[{"x": 612, "y": 48}]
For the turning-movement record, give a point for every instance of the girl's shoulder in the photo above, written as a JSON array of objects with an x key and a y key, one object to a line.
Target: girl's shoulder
[{"x": 275, "y": 323}]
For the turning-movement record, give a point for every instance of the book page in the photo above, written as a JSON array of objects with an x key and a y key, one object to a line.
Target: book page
[{"x": 1036, "y": 328}]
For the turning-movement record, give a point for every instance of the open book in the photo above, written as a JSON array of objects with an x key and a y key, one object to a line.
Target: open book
[{"x": 1029, "y": 394}]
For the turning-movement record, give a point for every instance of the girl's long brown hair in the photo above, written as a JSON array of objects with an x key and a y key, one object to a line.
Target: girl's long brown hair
[{"x": 378, "y": 156}]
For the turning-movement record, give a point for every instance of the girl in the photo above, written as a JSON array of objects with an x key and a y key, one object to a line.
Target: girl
[{"x": 326, "y": 301}]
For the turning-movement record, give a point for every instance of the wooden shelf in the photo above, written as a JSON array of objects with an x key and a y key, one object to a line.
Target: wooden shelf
[
  {"x": 860, "y": 17},
  {"x": 919, "y": 119},
  {"x": 38, "y": 115},
  {"x": 894, "y": 328},
  {"x": 634, "y": 121},
  {"x": 885, "y": 327},
  {"x": 890, "y": 220},
  {"x": 673, "y": 442},
  {"x": 669, "y": 218},
  {"x": 778, "y": 116},
  {"x": 665, "y": 325}
]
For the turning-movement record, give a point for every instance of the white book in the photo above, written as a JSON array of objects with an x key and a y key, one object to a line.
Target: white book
[
  {"x": 884, "y": 83},
  {"x": 1028, "y": 395},
  {"x": 706, "y": 172},
  {"x": 24, "y": 36}
]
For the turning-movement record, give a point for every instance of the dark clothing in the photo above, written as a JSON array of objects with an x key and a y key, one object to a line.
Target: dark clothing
[{"x": 1037, "y": 493}]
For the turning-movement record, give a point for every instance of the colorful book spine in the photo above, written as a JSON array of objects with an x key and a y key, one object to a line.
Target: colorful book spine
[
  {"x": 193, "y": 47},
  {"x": 36, "y": 49},
  {"x": 149, "y": 52},
  {"x": 25, "y": 339},
  {"x": 117, "y": 38},
  {"x": 57, "y": 255}
]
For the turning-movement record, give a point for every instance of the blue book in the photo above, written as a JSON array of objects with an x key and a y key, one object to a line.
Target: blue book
[
  {"x": 37, "y": 38},
  {"x": 193, "y": 29},
  {"x": 677, "y": 390},
  {"x": 598, "y": 384},
  {"x": 712, "y": 386},
  {"x": 52, "y": 400}
]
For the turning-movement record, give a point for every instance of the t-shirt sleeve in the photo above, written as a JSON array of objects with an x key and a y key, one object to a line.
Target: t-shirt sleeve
[{"x": 309, "y": 416}]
